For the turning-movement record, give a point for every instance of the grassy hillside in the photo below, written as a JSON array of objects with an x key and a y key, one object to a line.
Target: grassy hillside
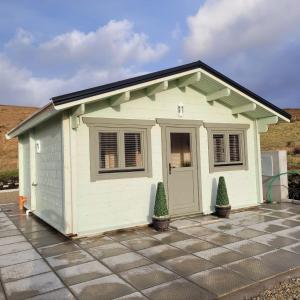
[
  {"x": 10, "y": 116},
  {"x": 285, "y": 136}
]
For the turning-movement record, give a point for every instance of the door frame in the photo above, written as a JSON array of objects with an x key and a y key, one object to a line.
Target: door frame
[{"x": 173, "y": 123}]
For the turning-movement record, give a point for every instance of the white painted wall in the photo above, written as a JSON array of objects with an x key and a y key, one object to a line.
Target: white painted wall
[
  {"x": 111, "y": 204},
  {"x": 49, "y": 191}
]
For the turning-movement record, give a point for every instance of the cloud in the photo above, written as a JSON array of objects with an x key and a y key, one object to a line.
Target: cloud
[
  {"x": 72, "y": 61},
  {"x": 222, "y": 27},
  {"x": 255, "y": 42}
]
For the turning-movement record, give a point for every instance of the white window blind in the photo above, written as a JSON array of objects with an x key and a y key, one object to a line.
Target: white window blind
[
  {"x": 108, "y": 150},
  {"x": 234, "y": 148},
  {"x": 133, "y": 151},
  {"x": 219, "y": 148}
]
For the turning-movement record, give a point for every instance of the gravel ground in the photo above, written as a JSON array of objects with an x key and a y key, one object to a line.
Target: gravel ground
[{"x": 287, "y": 290}]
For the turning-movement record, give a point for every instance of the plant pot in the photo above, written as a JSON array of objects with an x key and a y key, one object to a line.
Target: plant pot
[
  {"x": 161, "y": 224},
  {"x": 223, "y": 211}
]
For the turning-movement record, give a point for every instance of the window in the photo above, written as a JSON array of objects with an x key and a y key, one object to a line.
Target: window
[
  {"x": 227, "y": 147},
  {"x": 119, "y": 148},
  {"x": 120, "y": 151}
]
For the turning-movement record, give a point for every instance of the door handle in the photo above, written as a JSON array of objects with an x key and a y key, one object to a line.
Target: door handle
[
  {"x": 170, "y": 168},
  {"x": 34, "y": 184}
]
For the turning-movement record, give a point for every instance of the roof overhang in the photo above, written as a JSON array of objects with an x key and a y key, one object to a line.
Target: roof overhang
[{"x": 198, "y": 76}]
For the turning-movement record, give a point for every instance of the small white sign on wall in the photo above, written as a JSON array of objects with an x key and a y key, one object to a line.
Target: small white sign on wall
[
  {"x": 267, "y": 165},
  {"x": 38, "y": 146}
]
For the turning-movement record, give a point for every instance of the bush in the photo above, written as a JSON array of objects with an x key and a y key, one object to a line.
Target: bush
[
  {"x": 160, "y": 207},
  {"x": 9, "y": 175},
  {"x": 222, "y": 196},
  {"x": 296, "y": 150}
]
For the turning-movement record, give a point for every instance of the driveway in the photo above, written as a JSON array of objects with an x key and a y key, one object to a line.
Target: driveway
[{"x": 198, "y": 262}]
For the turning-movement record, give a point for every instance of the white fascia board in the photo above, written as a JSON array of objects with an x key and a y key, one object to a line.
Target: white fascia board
[
  {"x": 246, "y": 96},
  {"x": 167, "y": 78},
  {"x": 41, "y": 115},
  {"x": 123, "y": 90}
]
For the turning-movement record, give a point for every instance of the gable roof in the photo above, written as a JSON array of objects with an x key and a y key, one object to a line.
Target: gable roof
[
  {"x": 240, "y": 98},
  {"x": 72, "y": 97}
]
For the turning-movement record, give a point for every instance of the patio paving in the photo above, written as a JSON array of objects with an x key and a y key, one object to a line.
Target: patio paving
[{"x": 199, "y": 258}]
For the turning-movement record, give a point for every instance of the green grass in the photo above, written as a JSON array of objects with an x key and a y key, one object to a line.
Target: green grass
[{"x": 5, "y": 175}]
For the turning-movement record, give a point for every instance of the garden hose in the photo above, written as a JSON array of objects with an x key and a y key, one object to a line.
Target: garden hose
[{"x": 273, "y": 178}]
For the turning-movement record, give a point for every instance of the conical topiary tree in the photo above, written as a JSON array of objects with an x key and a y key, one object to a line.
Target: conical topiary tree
[
  {"x": 160, "y": 207},
  {"x": 222, "y": 196}
]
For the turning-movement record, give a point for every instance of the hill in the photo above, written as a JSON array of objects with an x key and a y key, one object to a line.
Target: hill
[
  {"x": 10, "y": 116},
  {"x": 285, "y": 136}
]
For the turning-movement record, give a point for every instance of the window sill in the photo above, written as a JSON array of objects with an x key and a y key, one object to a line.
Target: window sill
[{"x": 120, "y": 175}]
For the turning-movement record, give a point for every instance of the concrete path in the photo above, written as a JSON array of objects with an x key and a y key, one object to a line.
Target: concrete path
[{"x": 198, "y": 262}]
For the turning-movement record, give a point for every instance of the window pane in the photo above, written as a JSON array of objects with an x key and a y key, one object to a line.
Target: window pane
[
  {"x": 180, "y": 150},
  {"x": 234, "y": 148},
  {"x": 219, "y": 148},
  {"x": 108, "y": 150},
  {"x": 133, "y": 152}
]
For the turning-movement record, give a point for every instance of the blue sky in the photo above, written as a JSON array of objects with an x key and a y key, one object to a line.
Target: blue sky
[{"x": 53, "y": 47}]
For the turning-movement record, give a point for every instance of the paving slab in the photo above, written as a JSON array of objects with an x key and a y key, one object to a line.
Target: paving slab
[
  {"x": 188, "y": 264},
  {"x": 7, "y": 227},
  {"x": 204, "y": 220},
  {"x": 28, "y": 287},
  {"x": 220, "y": 239},
  {"x": 248, "y": 248},
  {"x": 293, "y": 233},
  {"x": 255, "y": 219},
  {"x": 7, "y": 233},
  {"x": 161, "y": 252},
  {"x": 242, "y": 214},
  {"x": 193, "y": 245},
  {"x": 252, "y": 268},
  {"x": 104, "y": 288},
  {"x": 274, "y": 241},
  {"x": 125, "y": 261},
  {"x": 221, "y": 226},
  {"x": 293, "y": 248},
  {"x": 220, "y": 281},
  {"x": 69, "y": 259},
  {"x": 141, "y": 243},
  {"x": 108, "y": 250},
  {"x": 177, "y": 290},
  {"x": 183, "y": 223},
  {"x": 83, "y": 272},
  {"x": 57, "y": 249},
  {"x": 23, "y": 270},
  {"x": 287, "y": 222},
  {"x": 60, "y": 294},
  {"x": 47, "y": 241},
  {"x": 268, "y": 227},
  {"x": 280, "y": 214},
  {"x": 16, "y": 247},
  {"x": 219, "y": 255},
  {"x": 280, "y": 260},
  {"x": 18, "y": 257},
  {"x": 148, "y": 276},
  {"x": 123, "y": 235},
  {"x": 133, "y": 296},
  {"x": 95, "y": 241},
  {"x": 12, "y": 239},
  {"x": 197, "y": 231},
  {"x": 171, "y": 237},
  {"x": 245, "y": 233}
]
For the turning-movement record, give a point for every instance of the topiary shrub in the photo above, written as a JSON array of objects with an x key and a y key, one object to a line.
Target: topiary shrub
[
  {"x": 160, "y": 207},
  {"x": 222, "y": 196}
]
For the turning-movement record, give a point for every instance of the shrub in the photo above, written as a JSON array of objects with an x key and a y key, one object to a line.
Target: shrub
[
  {"x": 296, "y": 150},
  {"x": 160, "y": 207},
  {"x": 222, "y": 196}
]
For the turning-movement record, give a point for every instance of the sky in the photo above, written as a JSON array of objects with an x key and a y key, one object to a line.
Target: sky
[{"x": 52, "y": 47}]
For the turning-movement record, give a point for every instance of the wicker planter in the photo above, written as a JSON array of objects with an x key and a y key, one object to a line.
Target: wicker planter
[
  {"x": 161, "y": 224},
  {"x": 223, "y": 211}
]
